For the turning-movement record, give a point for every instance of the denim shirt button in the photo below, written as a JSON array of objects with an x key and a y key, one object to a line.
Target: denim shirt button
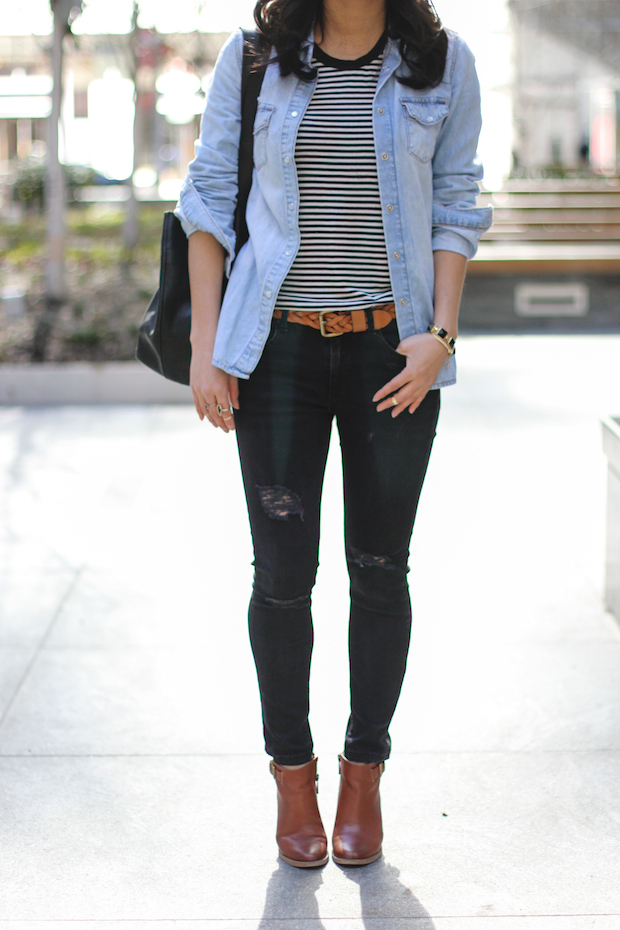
[
  {"x": 396, "y": 254},
  {"x": 402, "y": 301},
  {"x": 380, "y": 111},
  {"x": 385, "y": 156},
  {"x": 294, "y": 113},
  {"x": 286, "y": 160},
  {"x": 291, "y": 206},
  {"x": 289, "y": 251},
  {"x": 389, "y": 208},
  {"x": 267, "y": 293}
]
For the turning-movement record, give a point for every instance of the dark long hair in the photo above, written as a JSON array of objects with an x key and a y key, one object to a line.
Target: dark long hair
[{"x": 414, "y": 24}]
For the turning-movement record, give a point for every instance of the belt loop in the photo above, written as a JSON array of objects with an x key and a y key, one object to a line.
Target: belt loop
[
  {"x": 284, "y": 321},
  {"x": 370, "y": 320}
]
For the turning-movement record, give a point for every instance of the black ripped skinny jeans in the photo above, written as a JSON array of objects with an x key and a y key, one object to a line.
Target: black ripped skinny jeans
[{"x": 302, "y": 381}]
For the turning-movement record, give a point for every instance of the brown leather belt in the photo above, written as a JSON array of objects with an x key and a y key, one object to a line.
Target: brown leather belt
[{"x": 339, "y": 322}]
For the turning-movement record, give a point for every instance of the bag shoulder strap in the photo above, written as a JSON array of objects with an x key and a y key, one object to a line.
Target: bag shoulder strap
[{"x": 251, "y": 83}]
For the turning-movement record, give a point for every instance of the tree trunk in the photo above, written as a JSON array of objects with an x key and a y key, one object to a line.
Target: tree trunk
[
  {"x": 55, "y": 180},
  {"x": 55, "y": 195},
  {"x": 130, "y": 229}
]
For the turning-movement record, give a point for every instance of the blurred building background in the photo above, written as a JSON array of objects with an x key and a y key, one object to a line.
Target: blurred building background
[
  {"x": 566, "y": 87},
  {"x": 551, "y": 261},
  {"x": 553, "y": 111},
  {"x": 98, "y": 108}
]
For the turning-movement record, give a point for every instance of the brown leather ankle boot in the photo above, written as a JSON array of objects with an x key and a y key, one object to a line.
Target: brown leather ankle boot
[
  {"x": 300, "y": 834},
  {"x": 358, "y": 832}
]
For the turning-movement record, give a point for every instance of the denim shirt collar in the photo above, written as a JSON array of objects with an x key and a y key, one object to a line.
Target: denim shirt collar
[
  {"x": 307, "y": 48},
  {"x": 391, "y": 54}
]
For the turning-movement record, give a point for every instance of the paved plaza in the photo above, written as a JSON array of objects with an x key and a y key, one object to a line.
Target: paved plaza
[{"x": 134, "y": 788}]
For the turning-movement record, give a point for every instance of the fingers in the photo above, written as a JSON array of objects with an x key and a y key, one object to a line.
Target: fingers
[
  {"x": 208, "y": 406},
  {"x": 409, "y": 388},
  {"x": 408, "y": 400},
  {"x": 233, "y": 391},
  {"x": 408, "y": 397},
  {"x": 393, "y": 385},
  {"x": 217, "y": 410},
  {"x": 215, "y": 394},
  {"x": 221, "y": 414},
  {"x": 227, "y": 417},
  {"x": 413, "y": 407},
  {"x": 198, "y": 404},
  {"x": 400, "y": 401}
]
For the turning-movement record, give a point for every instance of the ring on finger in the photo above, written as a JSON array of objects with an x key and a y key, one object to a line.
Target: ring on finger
[
  {"x": 210, "y": 405},
  {"x": 221, "y": 410},
  {"x": 394, "y": 401},
  {"x": 228, "y": 418}
]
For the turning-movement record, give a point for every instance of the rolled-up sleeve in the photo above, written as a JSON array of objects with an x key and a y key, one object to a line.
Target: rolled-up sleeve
[
  {"x": 209, "y": 193},
  {"x": 457, "y": 222}
]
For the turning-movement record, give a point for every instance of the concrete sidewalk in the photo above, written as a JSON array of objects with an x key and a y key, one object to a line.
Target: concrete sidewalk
[{"x": 134, "y": 786}]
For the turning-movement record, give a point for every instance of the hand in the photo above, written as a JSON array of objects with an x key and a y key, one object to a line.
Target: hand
[
  {"x": 425, "y": 359},
  {"x": 212, "y": 386}
]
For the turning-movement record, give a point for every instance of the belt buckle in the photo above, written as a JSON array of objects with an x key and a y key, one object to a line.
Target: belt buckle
[{"x": 322, "y": 325}]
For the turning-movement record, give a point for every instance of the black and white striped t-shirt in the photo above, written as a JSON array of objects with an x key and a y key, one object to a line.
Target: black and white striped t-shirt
[{"x": 342, "y": 260}]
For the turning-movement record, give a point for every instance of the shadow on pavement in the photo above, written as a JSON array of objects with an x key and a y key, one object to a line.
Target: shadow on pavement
[
  {"x": 291, "y": 896},
  {"x": 383, "y": 895}
]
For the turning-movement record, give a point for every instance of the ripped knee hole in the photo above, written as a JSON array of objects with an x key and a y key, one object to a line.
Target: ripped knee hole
[
  {"x": 279, "y": 503},
  {"x": 366, "y": 560}
]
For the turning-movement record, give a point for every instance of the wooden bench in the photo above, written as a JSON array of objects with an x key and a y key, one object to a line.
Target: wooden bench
[{"x": 552, "y": 227}]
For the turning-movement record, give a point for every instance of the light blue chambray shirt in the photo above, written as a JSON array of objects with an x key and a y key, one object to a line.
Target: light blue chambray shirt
[{"x": 428, "y": 171}]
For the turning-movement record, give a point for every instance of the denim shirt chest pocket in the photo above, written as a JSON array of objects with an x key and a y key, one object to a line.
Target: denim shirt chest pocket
[
  {"x": 423, "y": 119},
  {"x": 264, "y": 113}
]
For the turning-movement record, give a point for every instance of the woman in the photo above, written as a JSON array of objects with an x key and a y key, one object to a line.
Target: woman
[{"x": 343, "y": 303}]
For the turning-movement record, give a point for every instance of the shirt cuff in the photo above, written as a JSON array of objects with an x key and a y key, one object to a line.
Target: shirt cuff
[
  {"x": 450, "y": 241},
  {"x": 188, "y": 228}
]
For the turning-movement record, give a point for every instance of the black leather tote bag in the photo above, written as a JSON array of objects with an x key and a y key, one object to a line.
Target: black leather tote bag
[{"x": 163, "y": 334}]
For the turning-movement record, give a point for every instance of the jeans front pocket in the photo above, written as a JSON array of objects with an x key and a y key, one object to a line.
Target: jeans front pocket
[
  {"x": 389, "y": 338},
  {"x": 274, "y": 332},
  {"x": 423, "y": 119}
]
